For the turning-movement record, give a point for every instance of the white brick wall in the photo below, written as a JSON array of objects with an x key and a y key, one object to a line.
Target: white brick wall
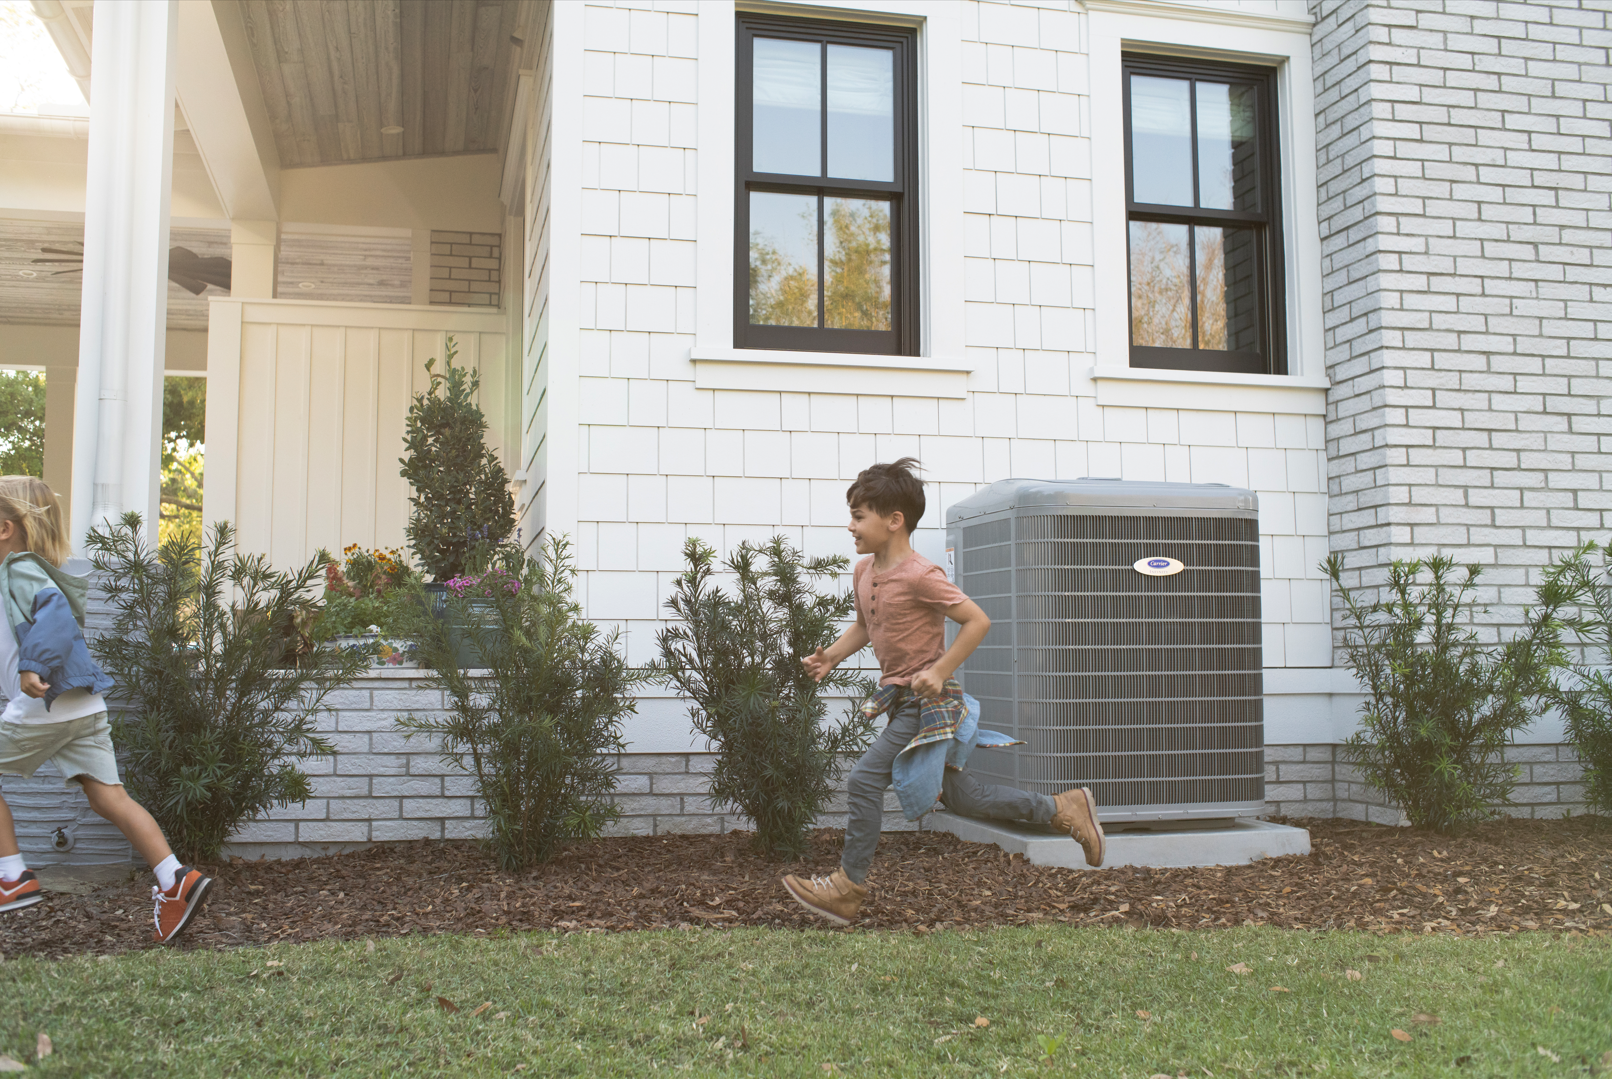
[
  {"x": 1466, "y": 165},
  {"x": 382, "y": 786}
]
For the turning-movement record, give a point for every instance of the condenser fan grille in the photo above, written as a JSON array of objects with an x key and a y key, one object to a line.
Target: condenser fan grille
[{"x": 1146, "y": 689}]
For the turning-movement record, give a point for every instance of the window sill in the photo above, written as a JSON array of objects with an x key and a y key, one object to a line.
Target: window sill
[
  {"x": 829, "y": 372},
  {"x": 1209, "y": 391}
]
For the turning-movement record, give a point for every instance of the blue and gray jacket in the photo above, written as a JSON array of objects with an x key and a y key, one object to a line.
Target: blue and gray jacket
[{"x": 45, "y": 606}]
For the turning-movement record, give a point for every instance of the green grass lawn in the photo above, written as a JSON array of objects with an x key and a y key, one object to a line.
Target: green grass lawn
[{"x": 1124, "y": 1003}]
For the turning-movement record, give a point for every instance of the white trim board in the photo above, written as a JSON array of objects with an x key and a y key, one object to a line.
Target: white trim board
[
  {"x": 385, "y": 316},
  {"x": 824, "y": 372},
  {"x": 1276, "y": 14},
  {"x": 1210, "y": 391}
]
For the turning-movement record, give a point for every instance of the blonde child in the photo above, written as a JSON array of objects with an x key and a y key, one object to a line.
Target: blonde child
[
  {"x": 902, "y": 603},
  {"x": 54, "y": 710}
]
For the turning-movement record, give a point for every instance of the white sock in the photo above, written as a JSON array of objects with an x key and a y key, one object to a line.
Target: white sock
[
  {"x": 12, "y": 867},
  {"x": 166, "y": 870}
]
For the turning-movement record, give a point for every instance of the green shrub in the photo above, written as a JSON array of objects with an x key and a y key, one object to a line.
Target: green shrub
[
  {"x": 737, "y": 657},
  {"x": 217, "y": 679},
  {"x": 461, "y": 500},
  {"x": 1440, "y": 705},
  {"x": 1586, "y": 704},
  {"x": 537, "y": 729}
]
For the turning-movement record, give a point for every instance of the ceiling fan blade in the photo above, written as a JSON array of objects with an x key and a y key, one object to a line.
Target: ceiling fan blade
[
  {"x": 61, "y": 251},
  {"x": 75, "y": 269},
  {"x": 189, "y": 284},
  {"x": 212, "y": 270},
  {"x": 36, "y": 261}
]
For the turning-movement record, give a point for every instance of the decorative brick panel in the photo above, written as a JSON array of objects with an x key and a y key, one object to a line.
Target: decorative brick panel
[{"x": 465, "y": 268}]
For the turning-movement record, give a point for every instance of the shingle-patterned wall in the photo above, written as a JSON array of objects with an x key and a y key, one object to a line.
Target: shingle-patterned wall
[
  {"x": 1465, "y": 168},
  {"x": 662, "y": 461}
]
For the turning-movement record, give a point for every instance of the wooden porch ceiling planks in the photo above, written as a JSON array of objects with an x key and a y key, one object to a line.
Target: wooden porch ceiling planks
[{"x": 334, "y": 73}]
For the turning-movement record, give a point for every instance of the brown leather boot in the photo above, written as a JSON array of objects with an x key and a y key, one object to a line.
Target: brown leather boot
[
  {"x": 835, "y": 897},
  {"x": 1075, "y": 812}
]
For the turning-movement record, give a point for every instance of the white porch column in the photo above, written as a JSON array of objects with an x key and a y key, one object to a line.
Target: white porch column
[{"x": 123, "y": 320}]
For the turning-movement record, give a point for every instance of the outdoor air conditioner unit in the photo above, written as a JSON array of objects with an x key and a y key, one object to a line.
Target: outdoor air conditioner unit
[{"x": 1142, "y": 682}]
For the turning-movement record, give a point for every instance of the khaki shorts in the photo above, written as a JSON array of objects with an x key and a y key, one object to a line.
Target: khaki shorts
[{"x": 78, "y": 747}]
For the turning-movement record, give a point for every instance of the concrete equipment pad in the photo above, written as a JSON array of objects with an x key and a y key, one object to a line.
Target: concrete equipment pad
[
  {"x": 83, "y": 879},
  {"x": 1235, "y": 842}
]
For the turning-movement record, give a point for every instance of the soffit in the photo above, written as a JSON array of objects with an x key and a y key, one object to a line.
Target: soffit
[{"x": 336, "y": 74}]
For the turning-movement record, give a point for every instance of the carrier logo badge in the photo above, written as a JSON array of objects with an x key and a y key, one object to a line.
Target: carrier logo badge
[{"x": 1158, "y": 567}]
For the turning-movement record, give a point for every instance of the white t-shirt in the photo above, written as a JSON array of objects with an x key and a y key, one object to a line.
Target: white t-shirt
[{"x": 21, "y": 708}]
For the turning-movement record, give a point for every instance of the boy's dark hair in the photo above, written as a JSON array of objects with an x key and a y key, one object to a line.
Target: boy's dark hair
[{"x": 888, "y": 488}]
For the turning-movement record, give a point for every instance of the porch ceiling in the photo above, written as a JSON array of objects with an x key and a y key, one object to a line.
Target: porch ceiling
[{"x": 338, "y": 75}]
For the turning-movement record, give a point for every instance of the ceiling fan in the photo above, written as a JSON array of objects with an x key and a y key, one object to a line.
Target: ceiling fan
[{"x": 188, "y": 270}]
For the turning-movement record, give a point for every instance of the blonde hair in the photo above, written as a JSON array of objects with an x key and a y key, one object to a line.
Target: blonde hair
[{"x": 33, "y": 506}]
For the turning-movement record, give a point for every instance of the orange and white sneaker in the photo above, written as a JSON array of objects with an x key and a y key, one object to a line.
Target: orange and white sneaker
[
  {"x": 835, "y": 897},
  {"x": 20, "y": 893},
  {"x": 172, "y": 910}
]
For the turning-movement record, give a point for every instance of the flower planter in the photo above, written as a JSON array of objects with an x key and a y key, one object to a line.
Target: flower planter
[
  {"x": 481, "y": 612},
  {"x": 383, "y": 651}
]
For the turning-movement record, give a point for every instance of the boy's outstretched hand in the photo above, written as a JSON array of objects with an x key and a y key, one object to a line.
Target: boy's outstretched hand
[
  {"x": 33, "y": 685},
  {"x": 817, "y": 665}
]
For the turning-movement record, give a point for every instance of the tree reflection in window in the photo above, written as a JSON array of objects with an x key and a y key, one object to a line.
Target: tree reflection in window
[{"x": 783, "y": 255}]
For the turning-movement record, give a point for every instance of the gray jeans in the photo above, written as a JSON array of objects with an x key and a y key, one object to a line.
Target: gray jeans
[{"x": 962, "y": 793}]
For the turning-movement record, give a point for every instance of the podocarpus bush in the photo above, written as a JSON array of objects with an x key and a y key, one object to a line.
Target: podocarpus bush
[
  {"x": 539, "y": 718},
  {"x": 1584, "y": 695},
  {"x": 218, "y": 683},
  {"x": 461, "y": 500},
  {"x": 1441, "y": 705},
  {"x": 738, "y": 658}
]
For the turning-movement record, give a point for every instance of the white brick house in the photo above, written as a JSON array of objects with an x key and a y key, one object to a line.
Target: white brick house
[{"x": 1414, "y": 366}]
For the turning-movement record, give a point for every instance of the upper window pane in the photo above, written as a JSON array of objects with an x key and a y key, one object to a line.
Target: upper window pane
[
  {"x": 788, "y": 95},
  {"x": 1161, "y": 140},
  {"x": 1228, "y": 172},
  {"x": 861, "y": 113}
]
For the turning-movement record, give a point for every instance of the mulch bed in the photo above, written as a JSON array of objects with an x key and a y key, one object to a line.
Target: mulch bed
[{"x": 1501, "y": 877}]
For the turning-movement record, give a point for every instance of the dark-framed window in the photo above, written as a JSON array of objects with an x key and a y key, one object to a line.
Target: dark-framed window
[
  {"x": 825, "y": 162},
  {"x": 1203, "y": 212}
]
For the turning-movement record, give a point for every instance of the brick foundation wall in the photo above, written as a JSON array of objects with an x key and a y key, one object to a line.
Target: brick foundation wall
[
  {"x": 1317, "y": 781},
  {"x": 382, "y": 786}
]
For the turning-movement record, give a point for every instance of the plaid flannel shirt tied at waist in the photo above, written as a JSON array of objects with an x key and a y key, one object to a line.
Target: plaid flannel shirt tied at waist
[{"x": 949, "y": 733}]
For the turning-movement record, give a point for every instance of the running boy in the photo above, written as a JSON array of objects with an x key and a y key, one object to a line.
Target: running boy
[
  {"x": 902, "y": 601},
  {"x": 54, "y": 710}
]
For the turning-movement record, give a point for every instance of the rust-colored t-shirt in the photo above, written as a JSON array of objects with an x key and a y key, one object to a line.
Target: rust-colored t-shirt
[{"x": 904, "y": 609}]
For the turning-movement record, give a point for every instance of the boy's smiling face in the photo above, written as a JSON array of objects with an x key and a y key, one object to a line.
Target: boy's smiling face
[{"x": 872, "y": 531}]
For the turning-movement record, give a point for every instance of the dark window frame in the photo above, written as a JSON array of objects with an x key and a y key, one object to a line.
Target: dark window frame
[
  {"x": 1271, "y": 290},
  {"x": 902, "y": 339}
]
